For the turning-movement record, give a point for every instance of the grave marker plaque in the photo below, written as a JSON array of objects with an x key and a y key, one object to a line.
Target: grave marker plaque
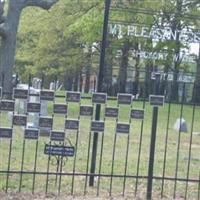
[
  {"x": 124, "y": 99},
  {"x": 156, "y": 100},
  {"x": 20, "y": 93},
  {"x": 47, "y": 95},
  {"x": 19, "y": 120},
  {"x": 33, "y": 107},
  {"x": 31, "y": 134},
  {"x": 46, "y": 122},
  {"x": 7, "y": 105},
  {"x": 137, "y": 114},
  {"x": 99, "y": 98},
  {"x": 111, "y": 112},
  {"x": 1, "y": 92},
  {"x": 97, "y": 126},
  {"x": 86, "y": 110},
  {"x": 71, "y": 124},
  {"x": 6, "y": 133},
  {"x": 57, "y": 136},
  {"x": 73, "y": 97},
  {"x": 123, "y": 128},
  {"x": 60, "y": 109},
  {"x": 45, "y": 132},
  {"x": 59, "y": 150}
]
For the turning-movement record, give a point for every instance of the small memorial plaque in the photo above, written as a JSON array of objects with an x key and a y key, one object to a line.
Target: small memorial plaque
[
  {"x": 111, "y": 112},
  {"x": 57, "y": 135},
  {"x": 33, "y": 107},
  {"x": 71, "y": 124},
  {"x": 59, "y": 150},
  {"x": 137, "y": 114},
  {"x": 124, "y": 99},
  {"x": 99, "y": 98},
  {"x": 5, "y": 132},
  {"x": 47, "y": 95},
  {"x": 60, "y": 109},
  {"x": 86, "y": 110},
  {"x": 19, "y": 120},
  {"x": 1, "y": 92},
  {"x": 46, "y": 122},
  {"x": 156, "y": 100},
  {"x": 7, "y": 105},
  {"x": 123, "y": 128},
  {"x": 45, "y": 132},
  {"x": 20, "y": 93},
  {"x": 31, "y": 134},
  {"x": 97, "y": 126},
  {"x": 73, "y": 97}
]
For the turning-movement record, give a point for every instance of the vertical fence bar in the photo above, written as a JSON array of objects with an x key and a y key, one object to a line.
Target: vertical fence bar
[
  {"x": 166, "y": 147},
  {"x": 153, "y": 140},
  {"x": 191, "y": 139},
  {"x": 179, "y": 141},
  {"x": 140, "y": 143},
  {"x": 99, "y": 87}
]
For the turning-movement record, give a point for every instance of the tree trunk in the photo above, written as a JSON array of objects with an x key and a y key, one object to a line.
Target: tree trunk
[
  {"x": 8, "y": 45},
  {"x": 123, "y": 68},
  {"x": 87, "y": 79},
  {"x": 137, "y": 73}
]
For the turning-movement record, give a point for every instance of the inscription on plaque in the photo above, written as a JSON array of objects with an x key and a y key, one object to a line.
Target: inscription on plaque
[
  {"x": 57, "y": 136},
  {"x": 20, "y": 93},
  {"x": 47, "y": 95},
  {"x": 137, "y": 114},
  {"x": 124, "y": 98},
  {"x": 31, "y": 134},
  {"x": 86, "y": 110},
  {"x": 5, "y": 132},
  {"x": 123, "y": 128},
  {"x": 6, "y": 105},
  {"x": 156, "y": 100},
  {"x": 59, "y": 150},
  {"x": 60, "y": 109},
  {"x": 45, "y": 132},
  {"x": 111, "y": 112},
  {"x": 19, "y": 120},
  {"x": 45, "y": 122},
  {"x": 71, "y": 124},
  {"x": 73, "y": 97},
  {"x": 33, "y": 107},
  {"x": 97, "y": 126},
  {"x": 99, "y": 98}
]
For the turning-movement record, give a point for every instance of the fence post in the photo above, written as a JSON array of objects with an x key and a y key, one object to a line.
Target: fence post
[
  {"x": 99, "y": 88},
  {"x": 153, "y": 139}
]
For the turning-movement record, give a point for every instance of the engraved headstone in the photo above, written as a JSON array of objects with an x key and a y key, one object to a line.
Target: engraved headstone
[
  {"x": 19, "y": 120},
  {"x": 33, "y": 107},
  {"x": 46, "y": 122},
  {"x": 156, "y": 100},
  {"x": 7, "y": 105},
  {"x": 47, "y": 95},
  {"x": 57, "y": 135},
  {"x": 137, "y": 114},
  {"x": 180, "y": 125},
  {"x": 20, "y": 93}
]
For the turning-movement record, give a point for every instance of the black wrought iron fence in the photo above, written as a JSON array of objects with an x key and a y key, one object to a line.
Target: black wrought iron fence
[{"x": 143, "y": 147}]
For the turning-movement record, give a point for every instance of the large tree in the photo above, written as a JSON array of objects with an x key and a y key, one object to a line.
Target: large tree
[{"x": 8, "y": 32}]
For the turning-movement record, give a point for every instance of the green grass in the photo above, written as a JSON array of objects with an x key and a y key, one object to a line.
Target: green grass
[{"x": 120, "y": 154}]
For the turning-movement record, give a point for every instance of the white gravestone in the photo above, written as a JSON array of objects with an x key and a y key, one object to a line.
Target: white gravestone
[{"x": 180, "y": 125}]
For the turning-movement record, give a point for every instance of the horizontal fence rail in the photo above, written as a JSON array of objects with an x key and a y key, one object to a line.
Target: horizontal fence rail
[{"x": 46, "y": 143}]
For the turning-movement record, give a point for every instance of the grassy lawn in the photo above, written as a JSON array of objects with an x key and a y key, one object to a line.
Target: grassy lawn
[{"x": 107, "y": 159}]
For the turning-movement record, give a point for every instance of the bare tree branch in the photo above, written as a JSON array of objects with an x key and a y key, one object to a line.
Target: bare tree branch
[{"x": 45, "y": 4}]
